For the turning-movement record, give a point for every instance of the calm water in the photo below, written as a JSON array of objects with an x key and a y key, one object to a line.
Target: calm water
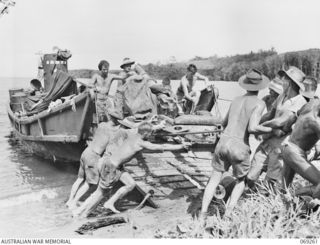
[{"x": 33, "y": 190}]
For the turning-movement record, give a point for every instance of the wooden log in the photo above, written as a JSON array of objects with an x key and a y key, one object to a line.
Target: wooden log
[
  {"x": 181, "y": 185},
  {"x": 201, "y": 178},
  {"x": 94, "y": 225},
  {"x": 165, "y": 172},
  {"x": 170, "y": 179},
  {"x": 200, "y": 164}
]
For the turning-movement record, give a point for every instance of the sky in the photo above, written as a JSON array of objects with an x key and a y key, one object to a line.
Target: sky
[{"x": 151, "y": 30}]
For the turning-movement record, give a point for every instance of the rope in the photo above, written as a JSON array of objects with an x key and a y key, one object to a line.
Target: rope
[{"x": 224, "y": 99}]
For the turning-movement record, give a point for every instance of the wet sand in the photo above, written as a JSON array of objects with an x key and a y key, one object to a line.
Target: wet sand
[{"x": 144, "y": 223}]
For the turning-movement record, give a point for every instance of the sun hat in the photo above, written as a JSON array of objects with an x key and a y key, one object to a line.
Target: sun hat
[
  {"x": 295, "y": 74},
  {"x": 310, "y": 87},
  {"x": 276, "y": 85},
  {"x": 126, "y": 61},
  {"x": 253, "y": 80}
]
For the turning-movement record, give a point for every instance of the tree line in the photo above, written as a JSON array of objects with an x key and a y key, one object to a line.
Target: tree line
[{"x": 230, "y": 68}]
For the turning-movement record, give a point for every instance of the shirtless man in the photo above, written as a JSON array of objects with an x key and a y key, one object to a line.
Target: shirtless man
[
  {"x": 88, "y": 173},
  {"x": 280, "y": 118},
  {"x": 304, "y": 136},
  {"x": 233, "y": 147},
  {"x": 186, "y": 89},
  {"x": 102, "y": 81},
  {"x": 109, "y": 168}
]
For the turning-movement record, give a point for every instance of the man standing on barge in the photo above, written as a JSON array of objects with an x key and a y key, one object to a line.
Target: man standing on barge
[{"x": 102, "y": 81}]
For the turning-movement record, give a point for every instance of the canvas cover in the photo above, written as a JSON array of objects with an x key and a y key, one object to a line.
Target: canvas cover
[
  {"x": 198, "y": 120},
  {"x": 206, "y": 102},
  {"x": 138, "y": 98},
  {"x": 62, "y": 85}
]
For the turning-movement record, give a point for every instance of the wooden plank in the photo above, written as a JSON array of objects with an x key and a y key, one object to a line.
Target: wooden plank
[
  {"x": 138, "y": 175},
  {"x": 40, "y": 126},
  {"x": 181, "y": 185},
  {"x": 170, "y": 179},
  {"x": 53, "y": 138},
  {"x": 150, "y": 170},
  {"x": 203, "y": 155},
  {"x": 199, "y": 163},
  {"x": 43, "y": 114},
  {"x": 132, "y": 162},
  {"x": 165, "y": 172},
  {"x": 134, "y": 168},
  {"x": 203, "y": 168},
  {"x": 201, "y": 178}
]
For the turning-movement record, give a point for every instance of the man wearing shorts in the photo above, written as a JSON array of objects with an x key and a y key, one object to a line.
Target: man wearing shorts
[
  {"x": 110, "y": 168},
  {"x": 88, "y": 173},
  {"x": 305, "y": 135},
  {"x": 281, "y": 117},
  {"x": 233, "y": 148},
  {"x": 102, "y": 82}
]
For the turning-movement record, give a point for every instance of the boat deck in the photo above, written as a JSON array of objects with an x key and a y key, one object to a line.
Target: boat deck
[{"x": 168, "y": 171}]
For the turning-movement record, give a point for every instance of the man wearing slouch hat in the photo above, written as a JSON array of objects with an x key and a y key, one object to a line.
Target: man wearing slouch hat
[
  {"x": 280, "y": 118},
  {"x": 233, "y": 147}
]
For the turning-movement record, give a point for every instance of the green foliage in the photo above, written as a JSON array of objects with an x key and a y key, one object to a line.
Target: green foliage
[
  {"x": 263, "y": 214},
  {"x": 86, "y": 73},
  {"x": 232, "y": 67}
]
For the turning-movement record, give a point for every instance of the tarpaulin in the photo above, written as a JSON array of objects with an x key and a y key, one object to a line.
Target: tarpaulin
[
  {"x": 138, "y": 97},
  {"x": 62, "y": 85}
]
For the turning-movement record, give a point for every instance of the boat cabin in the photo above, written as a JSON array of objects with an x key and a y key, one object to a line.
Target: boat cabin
[{"x": 53, "y": 62}]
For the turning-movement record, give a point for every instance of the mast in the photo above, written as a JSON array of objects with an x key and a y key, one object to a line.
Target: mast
[{"x": 5, "y": 5}]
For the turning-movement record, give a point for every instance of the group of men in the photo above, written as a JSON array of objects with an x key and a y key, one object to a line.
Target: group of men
[
  {"x": 103, "y": 80},
  {"x": 289, "y": 130},
  {"x": 112, "y": 146}
]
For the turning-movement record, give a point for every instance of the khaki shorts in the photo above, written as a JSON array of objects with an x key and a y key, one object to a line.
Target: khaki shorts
[
  {"x": 233, "y": 152},
  {"x": 88, "y": 166},
  {"x": 104, "y": 105},
  {"x": 109, "y": 174},
  {"x": 268, "y": 158}
]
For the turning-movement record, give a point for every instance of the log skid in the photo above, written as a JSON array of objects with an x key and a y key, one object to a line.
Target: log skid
[{"x": 168, "y": 171}]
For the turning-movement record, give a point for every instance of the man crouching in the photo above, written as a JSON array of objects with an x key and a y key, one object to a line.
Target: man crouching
[{"x": 110, "y": 168}]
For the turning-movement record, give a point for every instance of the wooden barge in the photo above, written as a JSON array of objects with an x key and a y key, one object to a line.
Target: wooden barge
[{"x": 61, "y": 133}]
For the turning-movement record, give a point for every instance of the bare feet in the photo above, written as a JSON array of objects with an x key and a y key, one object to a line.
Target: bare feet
[
  {"x": 111, "y": 207},
  {"x": 76, "y": 213},
  {"x": 316, "y": 192},
  {"x": 68, "y": 203},
  {"x": 203, "y": 219},
  {"x": 71, "y": 205},
  {"x": 228, "y": 212}
]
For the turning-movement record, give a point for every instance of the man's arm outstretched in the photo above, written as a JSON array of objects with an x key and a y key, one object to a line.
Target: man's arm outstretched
[
  {"x": 285, "y": 118},
  {"x": 254, "y": 127},
  {"x": 163, "y": 147}
]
